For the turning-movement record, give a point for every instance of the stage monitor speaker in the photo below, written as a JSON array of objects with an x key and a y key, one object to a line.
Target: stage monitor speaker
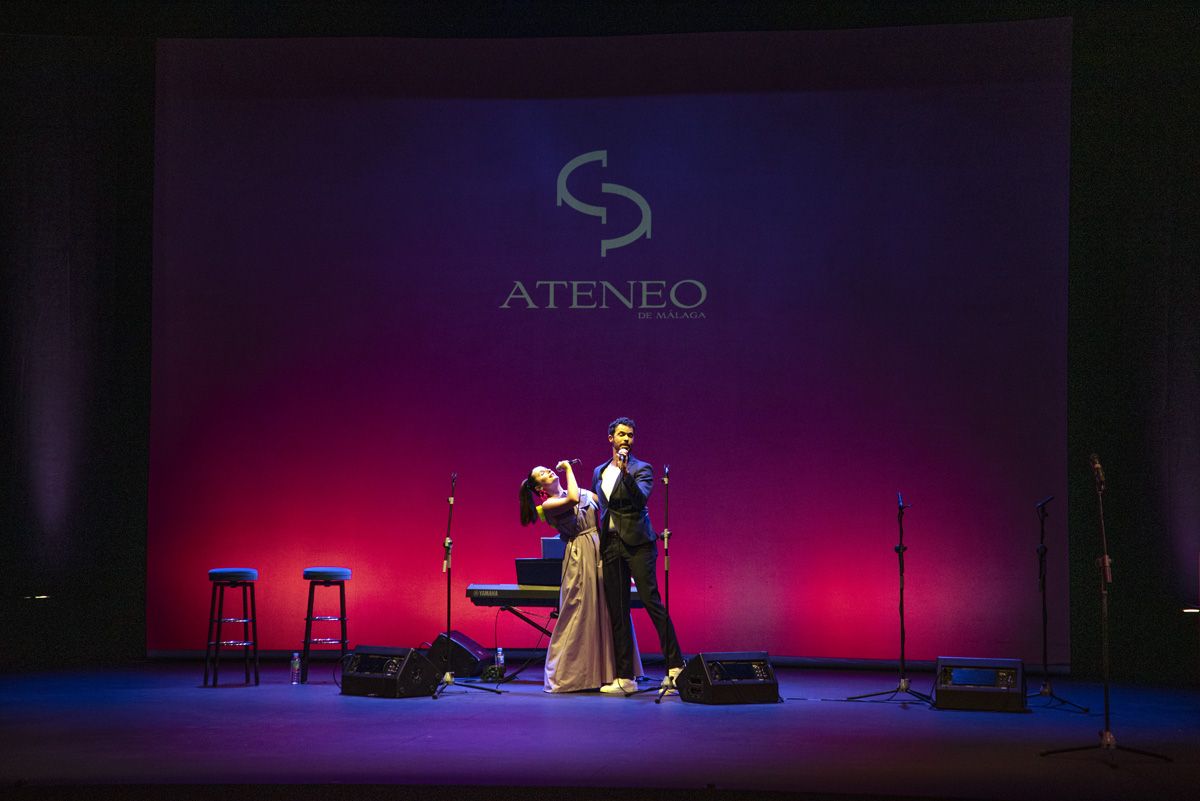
[
  {"x": 382, "y": 672},
  {"x": 467, "y": 657},
  {"x": 742, "y": 677},
  {"x": 992, "y": 685}
]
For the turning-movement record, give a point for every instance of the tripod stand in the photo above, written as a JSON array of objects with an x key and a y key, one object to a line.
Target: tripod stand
[
  {"x": 447, "y": 545},
  {"x": 904, "y": 686},
  {"x": 1108, "y": 742},
  {"x": 1047, "y": 690}
]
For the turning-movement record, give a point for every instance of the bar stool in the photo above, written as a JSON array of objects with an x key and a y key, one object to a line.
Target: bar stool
[
  {"x": 232, "y": 578},
  {"x": 323, "y": 577}
]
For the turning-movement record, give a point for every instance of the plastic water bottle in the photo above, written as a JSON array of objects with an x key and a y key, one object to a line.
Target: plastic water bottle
[
  {"x": 295, "y": 667},
  {"x": 500, "y": 660}
]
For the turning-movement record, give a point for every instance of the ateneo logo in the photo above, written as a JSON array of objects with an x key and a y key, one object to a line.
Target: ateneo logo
[
  {"x": 649, "y": 299},
  {"x": 563, "y": 195}
]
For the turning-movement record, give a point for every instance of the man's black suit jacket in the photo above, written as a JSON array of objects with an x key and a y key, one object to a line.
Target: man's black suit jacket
[{"x": 626, "y": 508}]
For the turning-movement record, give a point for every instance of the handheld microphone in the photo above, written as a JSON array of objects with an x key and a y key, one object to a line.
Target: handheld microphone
[
  {"x": 900, "y": 502},
  {"x": 572, "y": 461},
  {"x": 1097, "y": 470},
  {"x": 1042, "y": 503},
  {"x": 623, "y": 454}
]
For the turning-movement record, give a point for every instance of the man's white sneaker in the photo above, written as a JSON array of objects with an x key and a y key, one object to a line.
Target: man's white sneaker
[
  {"x": 623, "y": 686},
  {"x": 668, "y": 682}
]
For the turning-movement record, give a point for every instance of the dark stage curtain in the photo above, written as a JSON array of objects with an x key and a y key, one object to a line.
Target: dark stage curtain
[
  {"x": 1134, "y": 339},
  {"x": 76, "y": 154}
]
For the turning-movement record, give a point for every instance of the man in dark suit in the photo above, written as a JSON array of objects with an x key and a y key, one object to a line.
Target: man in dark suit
[{"x": 629, "y": 547}]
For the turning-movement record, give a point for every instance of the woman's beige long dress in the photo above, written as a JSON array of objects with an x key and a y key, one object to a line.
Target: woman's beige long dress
[{"x": 580, "y": 655}]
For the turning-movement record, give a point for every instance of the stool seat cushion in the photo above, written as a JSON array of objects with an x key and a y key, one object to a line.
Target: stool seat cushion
[
  {"x": 233, "y": 574},
  {"x": 326, "y": 573}
]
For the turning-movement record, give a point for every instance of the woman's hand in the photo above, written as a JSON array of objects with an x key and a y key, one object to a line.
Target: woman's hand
[{"x": 572, "y": 484}]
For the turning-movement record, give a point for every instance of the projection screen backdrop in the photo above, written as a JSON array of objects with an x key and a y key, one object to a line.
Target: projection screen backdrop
[{"x": 817, "y": 268}]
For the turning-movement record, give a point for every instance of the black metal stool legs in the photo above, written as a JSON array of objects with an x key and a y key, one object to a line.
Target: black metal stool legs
[
  {"x": 208, "y": 643},
  {"x": 217, "y": 639},
  {"x": 342, "y": 593},
  {"x": 254, "y": 631},
  {"x": 309, "y": 640},
  {"x": 216, "y": 621},
  {"x": 308, "y": 621},
  {"x": 245, "y": 633}
]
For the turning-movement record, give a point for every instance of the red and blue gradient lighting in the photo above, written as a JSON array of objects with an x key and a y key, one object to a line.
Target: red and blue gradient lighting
[{"x": 353, "y": 267}]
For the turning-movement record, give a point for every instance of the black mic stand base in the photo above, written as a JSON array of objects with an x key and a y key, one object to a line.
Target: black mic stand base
[
  {"x": 905, "y": 686},
  {"x": 663, "y": 690},
  {"x": 644, "y": 690},
  {"x": 1055, "y": 700},
  {"x": 448, "y": 679},
  {"x": 1108, "y": 742},
  {"x": 660, "y": 689}
]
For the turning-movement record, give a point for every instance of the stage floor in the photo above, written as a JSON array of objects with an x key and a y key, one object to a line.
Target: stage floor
[{"x": 154, "y": 724}]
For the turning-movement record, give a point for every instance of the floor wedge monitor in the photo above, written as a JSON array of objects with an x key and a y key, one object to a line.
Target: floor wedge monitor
[
  {"x": 738, "y": 677},
  {"x": 994, "y": 685},
  {"x": 382, "y": 672},
  {"x": 466, "y": 657}
]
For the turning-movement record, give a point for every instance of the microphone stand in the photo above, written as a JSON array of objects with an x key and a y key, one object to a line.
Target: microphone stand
[
  {"x": 1047, "y": 689},
  {"x": 1108, "y": 742},
  {"x": 666, "y": 537},
  {"x": 447, "y": 545},
  {"x": 904, "y": 686}
]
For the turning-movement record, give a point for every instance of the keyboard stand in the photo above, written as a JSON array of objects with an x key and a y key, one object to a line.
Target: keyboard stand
[{"x": 518, "y": 613}]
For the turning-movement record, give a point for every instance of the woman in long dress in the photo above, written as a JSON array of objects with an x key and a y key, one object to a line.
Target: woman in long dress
[{"x": 580, "y": 655}]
